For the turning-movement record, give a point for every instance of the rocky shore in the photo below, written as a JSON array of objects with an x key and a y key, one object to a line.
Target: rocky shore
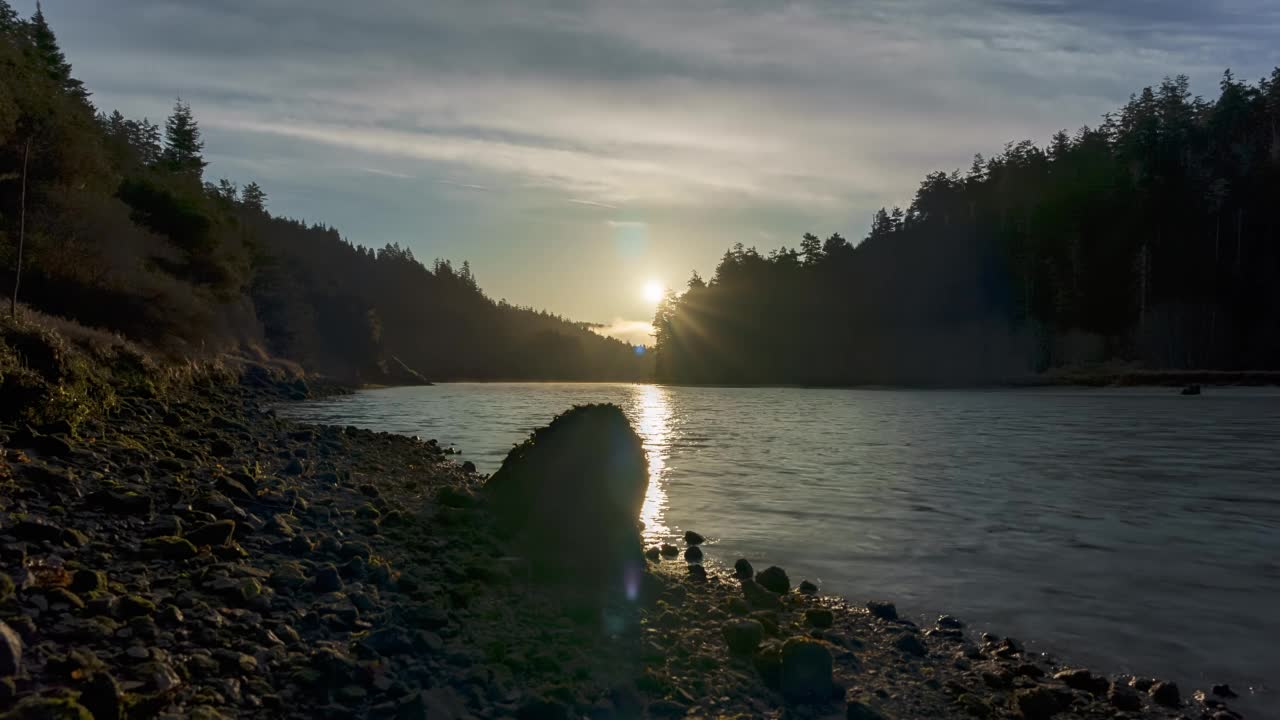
[{"x": 194, "y": 556}]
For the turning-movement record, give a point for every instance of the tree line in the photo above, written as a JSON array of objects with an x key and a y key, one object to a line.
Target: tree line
[
  {"x": 1151, "y": 239},
  {"x": 123, "y": 232}
]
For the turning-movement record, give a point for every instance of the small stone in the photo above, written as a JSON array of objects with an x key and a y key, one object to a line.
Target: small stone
[
  {"x": 911, "y": 645},
  {"x": 1035, "y": 703},
  {"x": 806, "y": 671},
  {"x": 327, "y": 579},
  {"x": 10, "y": 651},
  {"x": 758, "y": 596},
  {"x": 1123, "y": 698},
  {"x": 36, "y": 707},
  {"x": 743, "y": 636},
  {"x": 774, "y": 579},
  {"x": 819, "y": 617},
  {"x": 88, "y": 581},
  {"x": 217, "y": 534},
  {"x": 697, "y": 572},
  {"x": 170, "y": 548},
  {"x": 654, "y": 553},
  {"x": 36, "y": 531},
  {"x": 1224, "y": 691},
  {"x": 669, "y": 550},
  {"x": 857, "y": 711},
  {"x": 121, "y": 503},
  {"x": 946, "y": 622},
  {"x": 693, "y": 538},
  {"x": 742, "y": 569},
  {"x": 1165, "y": 693},
  {"x": 62, "y": 598},
  {"x": 883, "y": 610},
  {"x": 389, "y": 642},
  {"x": 693, "y": 554},
  {"x": 808, "y": 588},
  {"x": 132, "y": 606},
  {"x": 101, "y": 696},
  {"x": 1081, "y": 679},
  {"x": 468, "y": 467}
]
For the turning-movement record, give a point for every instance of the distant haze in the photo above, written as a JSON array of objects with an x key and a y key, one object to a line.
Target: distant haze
[{"x": 574, "y": 151}]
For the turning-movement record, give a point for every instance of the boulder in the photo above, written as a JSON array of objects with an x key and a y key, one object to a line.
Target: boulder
[
  {"x": 806, "y": 671},
  {"x": 1165, "y": 693},
  {"x": 742, "y": 569},
  {"x": 774, "y": 579},
  {"x": 744, "y": 636},
  {"x": 693, "y": 538},
  {"x": 569, "y": 497},
  {"x": 882, "y": 610}
]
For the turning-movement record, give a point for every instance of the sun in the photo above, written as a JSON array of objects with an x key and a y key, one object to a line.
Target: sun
[{"x": 653, "y": 291}]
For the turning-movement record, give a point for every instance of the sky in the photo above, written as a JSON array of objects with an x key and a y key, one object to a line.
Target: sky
[{"x": 575, "y": 151}]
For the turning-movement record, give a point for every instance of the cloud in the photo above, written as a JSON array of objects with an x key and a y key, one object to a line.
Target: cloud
[
  {"x": 723, "y": 116},
  {"x": 636, "y": 332},
  {"x": 385, "y": 173},
  {"x": 626, "y": 224}
]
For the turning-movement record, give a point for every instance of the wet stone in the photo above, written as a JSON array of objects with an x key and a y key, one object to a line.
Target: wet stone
[
  {"x": 693, "y": 554},
  {"x": 883, "y": 610},
  {"x": 806, "y": 671},
  {"x": 1035, "y": 703},
  {"x": 743, "y": 636},
  {"x": 669, "y": 550},
  {"x": 819, "y": 617},
  {"x": 693, "y": 538},
  {"x": 742, "y": 568},
  {"x": 911, "y": 645},
  {"x": 808, "y": 588},
  {"x": 774, "y": 579},
  {"x": 1165, "y": 693}
]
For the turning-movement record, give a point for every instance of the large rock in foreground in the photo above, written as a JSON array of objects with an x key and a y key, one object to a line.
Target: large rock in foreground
[{"x": 569, "y": 497}]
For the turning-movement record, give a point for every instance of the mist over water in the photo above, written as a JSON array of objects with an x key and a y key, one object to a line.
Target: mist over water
[{"x": 1125, "y": 530}]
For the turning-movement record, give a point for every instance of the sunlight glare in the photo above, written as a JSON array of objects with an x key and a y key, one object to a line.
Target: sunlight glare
[
  {"x": 652, "y": 413},
  {"x": 653, "y": 291}
]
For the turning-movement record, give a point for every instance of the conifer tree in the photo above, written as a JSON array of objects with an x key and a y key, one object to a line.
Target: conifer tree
[{"x": 182, "y": 143}]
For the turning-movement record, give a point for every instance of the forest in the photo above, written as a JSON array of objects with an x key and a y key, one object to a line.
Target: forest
[
  {"x": 1151, "y": 241},
  {"x": 117, "y": 228}
]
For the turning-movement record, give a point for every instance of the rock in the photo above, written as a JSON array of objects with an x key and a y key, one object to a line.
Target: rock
[
  {"x": 697, "y": 572},
  {"x": 101, "y": 696},
  {"x": 742, "y": 569},
  {"x": 819, "y": 617},
  {"x": 857, "y": 711},
  {"x": 63, "y": 599},
  {"x": 217, "y": 533},
  {"x": 389, "y": 642},
  {"x": 1224, "y": 691},
  {"x": 806, "y": 671},
  {"x": 946, "y": 622},
  {"x": 158, "y": 677},
  {"x": 132, "y": 606},
  {"x": 468, "y": 467},
  {"x": 693, "y": 554},
  {"x": 1081, "y": 679},
  {"x": 654, "y": 553},
  {"x": 882, "y": 610},
  {"x": 588, "y": 465},
  {"x": 453, "y": 497},
  {"x": 35, "y": 707},
  {"x": 669, "y": 550},
  {"x": 1165, "y": 693},
  {"x": 1035, "y": 703},
  {"x": 744, "y": 636},
  {"x": 220, "y": 448},
  {"x": 911, "y": 645},
  {"x": 121, "y": 503},
  {"x": 1123, "y": 698},
  {"x": 693, "y": 538},
  {"x": 169, "y": 548},
  {"x": 759, "y": 597},
  {"x": 6, "y": 586},
  {"x": 774, "y": 579},
  {"x": 808, "y": 588},
  {"x": 36, "y": 531},
  {"x": 326, "y": 579},
  {"x": 10, "y": 651}
]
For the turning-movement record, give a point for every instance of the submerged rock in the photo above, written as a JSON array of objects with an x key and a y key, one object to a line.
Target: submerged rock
[{"x": 569, "y": 497}]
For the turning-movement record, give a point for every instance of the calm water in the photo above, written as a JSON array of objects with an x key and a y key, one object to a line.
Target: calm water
[{"x": 1127, "y": 530}]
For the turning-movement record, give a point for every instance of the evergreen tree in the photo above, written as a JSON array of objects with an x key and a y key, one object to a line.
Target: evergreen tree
[
  {"x": 811, "y": 249},
  {"x": 253, "y": 197},
  {"x": 182, "y": 143},
  {"x": 49, "y": 55}
]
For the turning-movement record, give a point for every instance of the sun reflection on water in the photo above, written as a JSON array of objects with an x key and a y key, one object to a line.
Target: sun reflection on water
[{"x": 651, "y": 410}]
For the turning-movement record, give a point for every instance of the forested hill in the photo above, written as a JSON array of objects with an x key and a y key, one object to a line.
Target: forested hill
[
  {"x": 1152, "y": 239},
  {"x": 124, "y": 232}
]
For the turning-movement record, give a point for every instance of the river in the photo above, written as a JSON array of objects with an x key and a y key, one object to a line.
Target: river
[{"x": 1124, "y": 530}]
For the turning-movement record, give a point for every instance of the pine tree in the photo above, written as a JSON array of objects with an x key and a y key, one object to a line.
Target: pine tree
[
  {"x": 49, "y": 55},
  {"x": 227, "y": 190},
  {"x": 811, "y": 249},
  {"x": 254, "y": 197},
  {"x": 182, "y": 143},
  {"x": 144, "y": 138},
  {"x": 9, "y": 22}
]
